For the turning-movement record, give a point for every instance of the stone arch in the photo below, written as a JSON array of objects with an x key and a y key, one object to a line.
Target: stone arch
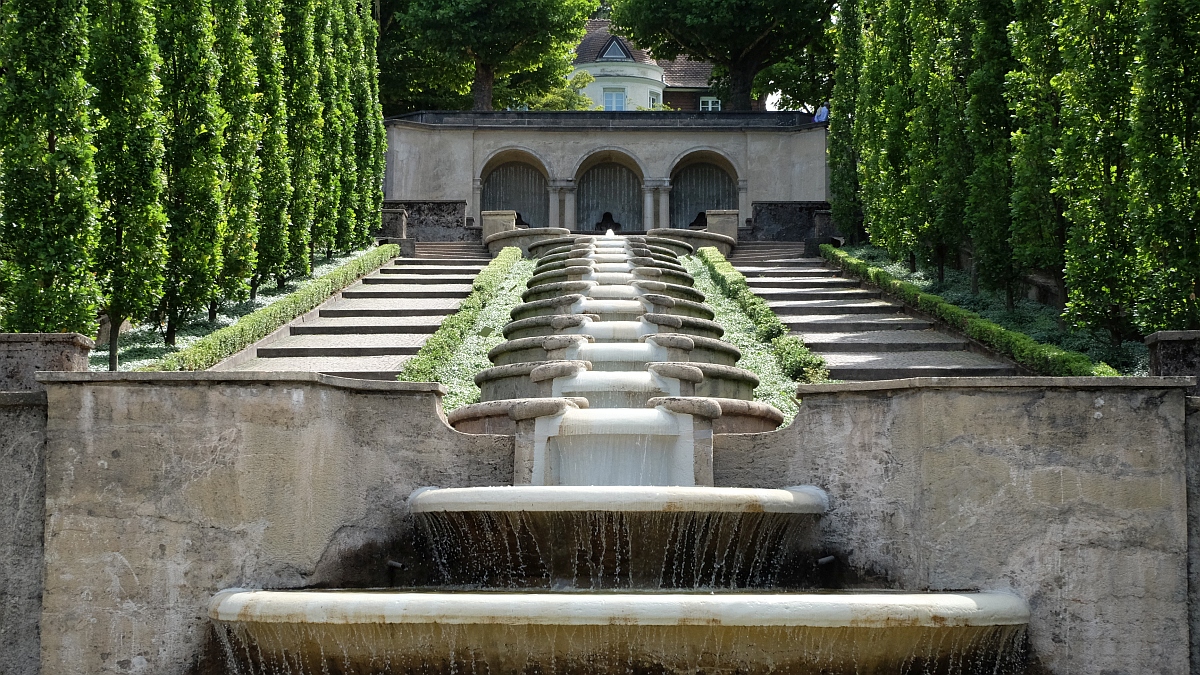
[
  {"x": 701, "y": 180},
  {"x": 609, "y": 188},
  {"x": 516, "y": 179}
]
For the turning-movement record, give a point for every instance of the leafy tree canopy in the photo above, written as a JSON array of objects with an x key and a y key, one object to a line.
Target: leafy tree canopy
[
  {"x": 497, "y": 38},
  {"x": 742, "y": 37}
]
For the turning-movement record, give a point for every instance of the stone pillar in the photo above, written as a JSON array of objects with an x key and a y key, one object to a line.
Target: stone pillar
[
  {"x": 745, "y": 208},
  {"x": 498, "y": 221},
  {"x": 647, "y": 207},
  {"x": 555, "y": 206},
  {"x": 1175, "y": 352},
  {"x": 474, "y": 207},
  {"x": 569, "y": 208},
  {"x": 723, "y": 222},
  {"x": 24, "y": 354},
  {"x": 664, "y": 205}
]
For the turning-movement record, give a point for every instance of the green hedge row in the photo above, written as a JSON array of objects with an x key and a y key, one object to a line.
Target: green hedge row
[
  {"x": 794, "y": 356},
  {"x": 215, "y": 347},
  {"x": 442, "y": 345},
  {"x": 1041, "y": 358}
]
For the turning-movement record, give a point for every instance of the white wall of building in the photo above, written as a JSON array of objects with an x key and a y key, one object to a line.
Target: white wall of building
[{"x": 640, "y": 82}]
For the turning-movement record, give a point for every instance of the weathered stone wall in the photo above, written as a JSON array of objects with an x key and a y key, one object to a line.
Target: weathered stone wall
[
  {"x": 1067, "y": 492},
  {"x": 163, "y": 488},
  {"x": 789, "y": 221},
  {"x": 22, "y": 512},
  {"x": 1175, "y": 352},
  {"x": 24, "y": 354},
  {"x": 1193, "y": 481},
  {"x": 429, "y": 221}
]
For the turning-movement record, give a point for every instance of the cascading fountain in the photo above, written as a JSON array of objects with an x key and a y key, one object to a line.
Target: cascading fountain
[{"x": 613, "y": 551}]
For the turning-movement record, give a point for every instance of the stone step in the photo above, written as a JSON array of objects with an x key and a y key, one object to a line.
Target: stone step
[
  {"x": 400, "y": 268},
  {"x": 353, "y": 325},
  {"x": 800, "y": 295},
  {"x": 794, "y": 308},
  {"x": 756, "y": 283},
  {"x": 390, "y": 307},
  {"x": 361, "y": 367},
  {"x": 850, "y": 323},
  {"x": 883, "y": 341},
  {"x": 419, "y": 279},
  {"x": 430, "y": 291},
  {"x": 785, "y": 272},
  {"x": 387, "y": 344},
  {"x": 898, "y": 365},
  {"x": 473, "y": 262}
]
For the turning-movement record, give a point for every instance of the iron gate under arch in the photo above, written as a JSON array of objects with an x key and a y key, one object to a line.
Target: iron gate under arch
[
  {"x": 701, "y": 187},
  {"x": 519, "y": 187},
  {"x": 609, "y": 188}
]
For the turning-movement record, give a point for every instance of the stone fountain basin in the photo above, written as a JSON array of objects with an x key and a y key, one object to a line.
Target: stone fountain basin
[
  {"x": 409, "y": 632},
  {"x": 624, "y": 498}
]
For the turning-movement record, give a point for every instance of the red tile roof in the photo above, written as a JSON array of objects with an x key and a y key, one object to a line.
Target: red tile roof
[
  {"x": 596, "y": 40},
  {"x": 683, "y": 72}
]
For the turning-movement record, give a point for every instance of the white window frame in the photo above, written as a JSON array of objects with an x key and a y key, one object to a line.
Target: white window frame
[
  {"x": 614, "y": 99},
  {"x": 714, "y": 104},
  {"x": 655, "y": 98}
]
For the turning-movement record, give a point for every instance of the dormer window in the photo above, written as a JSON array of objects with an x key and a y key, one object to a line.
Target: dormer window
[{"x": 615, "y": 51}]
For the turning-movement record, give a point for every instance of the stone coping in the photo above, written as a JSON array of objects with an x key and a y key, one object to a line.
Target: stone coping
[
  {"x": 620, "y": 498},
  {"x": 43, "y": 338},
  {"x": 236, "y": 377},
  {"x": 998, "y": 382},
  {"x": 783, "y": 120},
  {"x": 16, "y": 399},
  {"x": 1172, "y": 336}
]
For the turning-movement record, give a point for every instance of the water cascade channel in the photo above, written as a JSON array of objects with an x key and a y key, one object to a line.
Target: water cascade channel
[{"x": 613, "y": 552}]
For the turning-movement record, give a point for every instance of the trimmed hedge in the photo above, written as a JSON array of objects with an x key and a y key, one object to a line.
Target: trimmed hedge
[
  {"x": 219, "y": 345},
  {"x": 1041, "y": 358},
  {"x": 794, "y": 356},
  {"x": 442, "y": 345}
]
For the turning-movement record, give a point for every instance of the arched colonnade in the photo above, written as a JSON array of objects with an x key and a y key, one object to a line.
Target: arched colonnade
[{"x": 608, "y": 186}]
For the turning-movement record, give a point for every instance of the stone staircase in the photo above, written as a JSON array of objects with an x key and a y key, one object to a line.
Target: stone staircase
[
  {"x": 372, "y": 327},
  {"x": 860, "y": 335}
]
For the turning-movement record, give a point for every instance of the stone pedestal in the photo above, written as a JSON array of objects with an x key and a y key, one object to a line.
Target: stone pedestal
[
  {"x": 1175, "y": 352},
  {"x": 723, "y": 222},
  {"x": 494, "y": 222},
  {"x": 24, "y": 354}
]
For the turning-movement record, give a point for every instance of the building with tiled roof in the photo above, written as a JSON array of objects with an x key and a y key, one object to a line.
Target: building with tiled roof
[{"x": 629, "y": 78}]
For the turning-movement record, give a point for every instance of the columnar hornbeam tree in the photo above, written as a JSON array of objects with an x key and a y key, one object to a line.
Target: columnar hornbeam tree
[
  {"x": 329, "y": 164},
  {"x": 129, "y": 152},
  {"x": 305, "y": 131},
  {"x": 48, "y": 181},
  {"x": 347, "y": 42},
  {"x": 843, "y": 153},
  {"x": 371, "y": 154},
  {"x": 240, "y": 152},
  {"x": 275, "y": 177},
  {"x": 194, "y": 165}
]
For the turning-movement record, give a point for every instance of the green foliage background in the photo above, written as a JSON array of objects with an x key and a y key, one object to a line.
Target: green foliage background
[{"x": 1052, "y": 138}]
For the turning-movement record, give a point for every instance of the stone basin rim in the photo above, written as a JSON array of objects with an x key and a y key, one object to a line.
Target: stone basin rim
[
  {"x": 819, "y": 610},
  {"x": 801, "y": 499}
]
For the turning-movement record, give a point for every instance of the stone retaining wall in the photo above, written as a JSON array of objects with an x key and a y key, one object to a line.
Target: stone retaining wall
[
  {"x": 163, "y": 488},
  {"x": 22, "y": 514},
  {"x": 429, "y": 221},
  {"x": 1066, "y": 491}
]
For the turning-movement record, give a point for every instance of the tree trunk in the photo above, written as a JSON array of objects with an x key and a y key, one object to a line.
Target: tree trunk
[
  {"x": 741, "y": 82},
  {"x": 172, "y": 322},
  {"x": 212, "y": 311},
  {"x": 481, "y": 88},
  {"x": 114, "y": 334},
  {"x": 1010, "y": 301},
  {"x": 254, "y": 287},
  {"x": 912, "y": 262}
]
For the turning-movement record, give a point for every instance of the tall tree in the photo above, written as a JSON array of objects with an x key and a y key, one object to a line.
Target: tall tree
[
  {"x": 328, "y": 52},
  {"x": 348, "y": 42},
  {"x": 239, "y": 78},
  {"x": 1104, "y": 278},
  {"x": 275, "y": 177},
  {"x": 304, "y": 127},
  {"x": 741, "y": 36},
  {"x": 498, "y": 37},
  {"x": 49, "y": 181},
  {"x": 1166, "y": 179},
  {"x": 371, "y": 160},
  {"x": 194, "y": 166},
  {"x": 988, "y": 218},
  {"x": 1038, "y": 211},
  {"x": 843, "y": 153},
  {"x": 129, "y": 154}
]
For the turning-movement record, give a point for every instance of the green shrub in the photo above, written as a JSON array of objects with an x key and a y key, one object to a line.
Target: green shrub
[
  {"x": 221, "y": 344},
  {"x": 445, "y": 341},
  {"x": 794, "y": 356},
  {"x": 1042, "y": 359}
]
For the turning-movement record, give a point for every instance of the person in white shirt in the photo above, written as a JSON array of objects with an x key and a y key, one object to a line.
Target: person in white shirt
[{"x": 822, "y": 113}]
